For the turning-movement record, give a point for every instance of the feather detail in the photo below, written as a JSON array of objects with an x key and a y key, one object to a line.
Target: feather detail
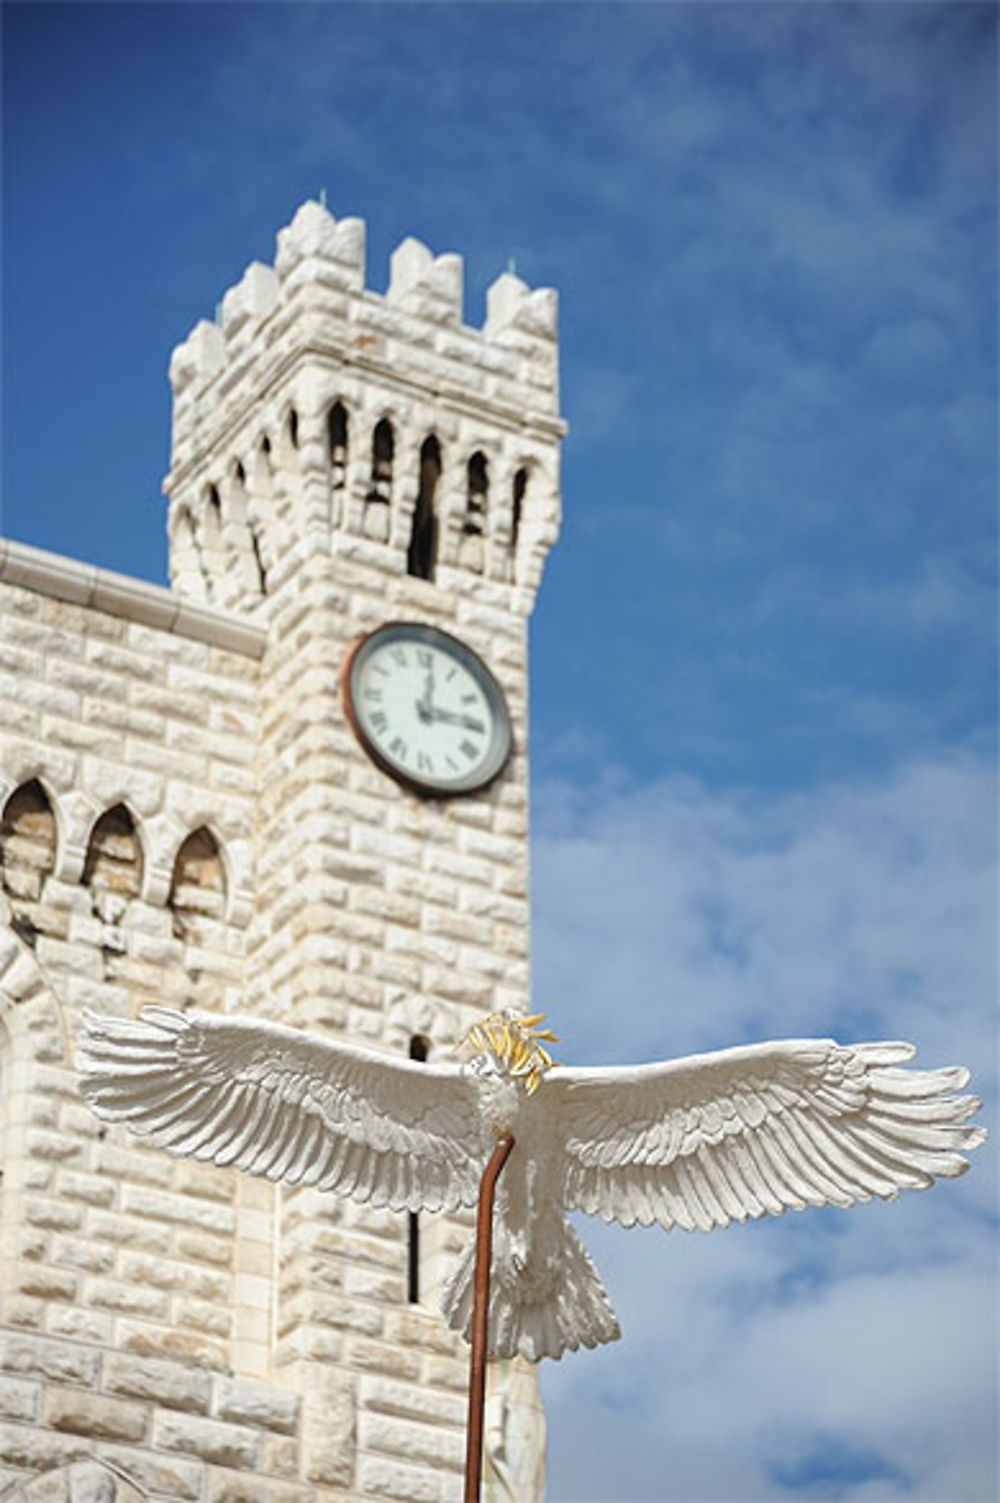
[
  {"x": 758, "y": 1129},
  {"x": 277, "y": 1102}
]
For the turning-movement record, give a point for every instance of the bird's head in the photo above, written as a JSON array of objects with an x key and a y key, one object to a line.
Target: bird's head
[{"x": 509, "y": 1043}]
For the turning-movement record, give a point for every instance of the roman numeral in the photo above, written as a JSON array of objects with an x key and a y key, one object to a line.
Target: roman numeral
[
  {"x": 398, "y": 655},
  {"x": 398, "y": 748},
  {"x": 469, "y": 748},
  {"x": 424, "y": 763},
  {"x": 424, "y": 658},
  {"x": 379, "y": 721}
]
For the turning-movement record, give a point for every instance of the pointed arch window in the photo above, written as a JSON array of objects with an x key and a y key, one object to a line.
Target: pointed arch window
[
  {"x": 27, "y": 841},
  {"x": 336, "y": 432},
  {"x": 517, "y": 506},
  {"x": 421, "y": 557},
  {"x": 199, "y": 878},
  {"x": 477, "y": 494},
  {"x": 114, "y": 854},
  {"x": 383, "y": 450}
]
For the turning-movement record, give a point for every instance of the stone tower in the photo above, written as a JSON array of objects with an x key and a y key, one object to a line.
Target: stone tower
[{"x": 189, "y": 817}]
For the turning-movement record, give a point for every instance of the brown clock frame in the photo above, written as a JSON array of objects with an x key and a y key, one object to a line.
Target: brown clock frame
[{"x": 495, "y": 695}]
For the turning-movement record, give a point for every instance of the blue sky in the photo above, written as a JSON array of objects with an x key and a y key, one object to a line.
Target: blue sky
[{"x": 763, "y": 656}]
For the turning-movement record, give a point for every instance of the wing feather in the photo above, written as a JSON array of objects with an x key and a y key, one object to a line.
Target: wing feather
[
  {"x": 715, "y": 1138},
  {"x": 277, "y": 1102}
]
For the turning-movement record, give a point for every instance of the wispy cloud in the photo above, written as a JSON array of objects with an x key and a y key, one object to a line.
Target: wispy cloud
[{"x": 834, "y": 1355}]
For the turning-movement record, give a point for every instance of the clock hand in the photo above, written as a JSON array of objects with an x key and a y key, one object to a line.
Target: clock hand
[
  {"x": 425, "y": 704},
  {"x": 448, "y": 717}
]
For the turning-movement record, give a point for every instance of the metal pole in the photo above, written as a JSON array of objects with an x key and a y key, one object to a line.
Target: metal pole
[{"x": 480, "y": 1318}]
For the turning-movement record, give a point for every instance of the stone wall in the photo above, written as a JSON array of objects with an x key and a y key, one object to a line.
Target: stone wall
[{"x": 189, "y": 819}]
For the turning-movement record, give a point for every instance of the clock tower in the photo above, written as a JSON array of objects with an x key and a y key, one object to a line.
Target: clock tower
[{"x": 375, "y": 485}]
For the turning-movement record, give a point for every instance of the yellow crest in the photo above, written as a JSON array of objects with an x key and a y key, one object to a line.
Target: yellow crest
[{"x": 514, "y": 1039}]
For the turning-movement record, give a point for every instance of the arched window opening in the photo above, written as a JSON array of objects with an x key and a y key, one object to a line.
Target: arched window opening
[
  {"x": 293, "y": 428},
  {"x": 419, "y": 1050},
  {"x": 380, "y": 491},
  {"x": 213, "y": 519},
  {"x": 421, "y": 556},
  {"x": 258, "y": 559},
  {"x": 517, "y": 507},
  {"x": 114, "y": 854},
  {"x": 27, "y": 841},
  {"x": 336, "y": 427},
  {"x": 471, "y": 553},
  {"x": 383, "y": 447},
  {"x": 242, "y": 510},
  {"x": 477, "y": 493},
  {"x": 199, "y": 879}
]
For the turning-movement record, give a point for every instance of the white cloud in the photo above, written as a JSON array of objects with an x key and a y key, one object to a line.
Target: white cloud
[{"x": 834, "y": 1355}]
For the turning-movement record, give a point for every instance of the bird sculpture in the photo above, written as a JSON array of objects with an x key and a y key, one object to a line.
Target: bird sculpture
[{"x": 697, "y": 1142}]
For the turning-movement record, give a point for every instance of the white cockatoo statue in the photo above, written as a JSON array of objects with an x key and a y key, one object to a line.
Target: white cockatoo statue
[{"x": 695, "y": 1143}]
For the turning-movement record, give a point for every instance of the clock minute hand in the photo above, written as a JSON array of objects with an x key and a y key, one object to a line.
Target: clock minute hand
[{"x": 450, "y": 717}]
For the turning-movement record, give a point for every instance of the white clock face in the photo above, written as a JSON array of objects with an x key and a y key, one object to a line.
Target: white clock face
[{"x": 427, "y": 709}]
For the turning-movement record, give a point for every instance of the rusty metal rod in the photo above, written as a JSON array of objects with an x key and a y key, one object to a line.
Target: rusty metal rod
[{"x": 481, "y": 1317}]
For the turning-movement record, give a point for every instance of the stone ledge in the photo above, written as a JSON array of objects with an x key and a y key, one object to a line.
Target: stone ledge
[{"x": 119, "y": 595}]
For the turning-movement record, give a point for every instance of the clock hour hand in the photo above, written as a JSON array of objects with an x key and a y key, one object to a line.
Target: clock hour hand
[{"x": 425, "y": 704}]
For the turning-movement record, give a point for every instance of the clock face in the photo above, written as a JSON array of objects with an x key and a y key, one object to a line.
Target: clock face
[{"x": 426, "y": 709}]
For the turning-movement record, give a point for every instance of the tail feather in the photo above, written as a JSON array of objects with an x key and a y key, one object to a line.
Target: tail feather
[{"x": 549, "y": 1303}]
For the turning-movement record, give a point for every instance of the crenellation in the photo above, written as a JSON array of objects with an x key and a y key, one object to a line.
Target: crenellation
[{"x": 308, "y": 336}]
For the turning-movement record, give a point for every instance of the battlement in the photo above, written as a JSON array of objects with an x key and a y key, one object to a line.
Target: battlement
[
  {"x": 319, "y": 270},
  {"x": 315, "y": 402}
]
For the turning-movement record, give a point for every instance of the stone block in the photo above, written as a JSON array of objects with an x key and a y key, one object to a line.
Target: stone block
[
  {"x": 175, "y": 1385},
  {"x": 211, "y": 1440},
  {"x": 329, "y": 1428},
  {"x": 47, "y": 1283},
  {"x": 252, "y": 1404},
  {"x": 76, "y": 1324},
  {"x": 161, "y": 1341},
  {"x": 39, "y": 1450},
  {"x": 58, "y": 1361},
  {"x": 94, "y": 1414},
  {"x": 229, "y": 1487},
  {"x": 381, "y": 1477},
  {"x": 20, "y": 1398},
  {"x": 413, "y": 1401},
  {"x": 168, "y": 1477},
  {"x": 128, "y": 1299},
  {"x": 204, "y": 1248},
  {"x": 381, "y": 1357}
]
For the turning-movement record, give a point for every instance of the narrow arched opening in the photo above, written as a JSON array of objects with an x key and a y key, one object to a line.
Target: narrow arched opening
[
  {"x": 383, "y": 451},
  {"x": 114, "y": 854},
  {"x": 419, "y": 1051},
  {"x": 421, "y": 556},
  {"x": 477, "y": 493},
  {"x": 27, "y": 848},
  {"x": 198, "y": 884},
  {"x": 517, "y": 506},
  {"x": 336, "y": 432}
]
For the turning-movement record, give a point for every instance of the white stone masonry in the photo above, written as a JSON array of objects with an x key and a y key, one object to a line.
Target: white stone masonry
[{"x": 188, "y": 818}]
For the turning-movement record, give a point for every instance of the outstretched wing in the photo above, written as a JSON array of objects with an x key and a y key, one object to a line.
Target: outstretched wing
[
  {"x": 289, "y": 1105},
  {"x": 714, "y": 1138}
]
